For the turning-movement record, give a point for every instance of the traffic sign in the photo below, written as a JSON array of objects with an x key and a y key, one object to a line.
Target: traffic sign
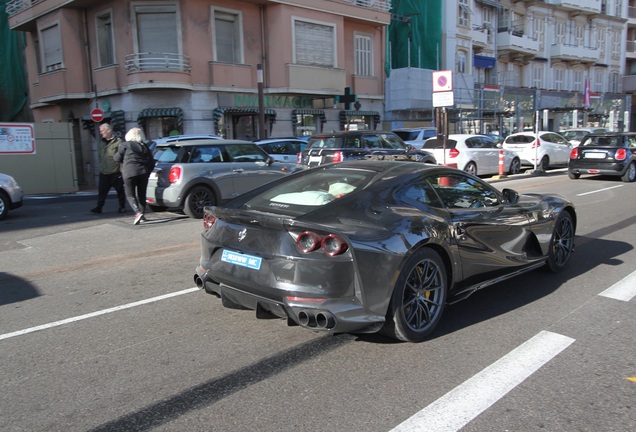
[
  {"x": 442, "y": 81},
  {"x": 97, "y": 115}
]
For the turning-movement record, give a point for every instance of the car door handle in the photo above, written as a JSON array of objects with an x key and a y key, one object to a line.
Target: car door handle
[{"x": 238, "y": 170}]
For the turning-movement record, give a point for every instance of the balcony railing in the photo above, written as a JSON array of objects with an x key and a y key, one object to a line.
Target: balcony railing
[
  {"x": 157, "y": 62},
  {"x": 381, "y": 5}
]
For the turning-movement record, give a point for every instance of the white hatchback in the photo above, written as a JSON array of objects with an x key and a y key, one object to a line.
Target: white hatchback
[
  {"x": 475, "y": 154},
  {"x": 551, "y": 150}
]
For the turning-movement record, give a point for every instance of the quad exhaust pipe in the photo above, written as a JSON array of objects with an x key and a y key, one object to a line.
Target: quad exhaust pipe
[{"x": 316, "y": 319}]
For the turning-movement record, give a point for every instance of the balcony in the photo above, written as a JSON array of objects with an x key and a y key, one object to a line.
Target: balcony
[
  {"x": 159, "y": 70},
  {"x": 517, "y": 42},
  {"x": 629, "y": 83},
  {"x": 381, "y": 5},
  {"x": 630, "y": 49},
  {"x": 588, "y": 7},
  {"x": 573, "y": 53}
]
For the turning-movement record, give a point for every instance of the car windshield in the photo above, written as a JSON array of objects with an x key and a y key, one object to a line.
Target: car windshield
[
  {"x": 313, "y": 189},
  {"x": 574, "y": 134},
  {"x": 324, "y": 142},
  {"x": 407, "y": 135}
]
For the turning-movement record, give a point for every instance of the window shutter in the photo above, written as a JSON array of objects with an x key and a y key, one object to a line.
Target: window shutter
[
  {"x": 157, "y": 30},
  {"x": 224, "y": 25},
  {"x": 52, "y": 48},
  {"x": 314, "y": 44}
]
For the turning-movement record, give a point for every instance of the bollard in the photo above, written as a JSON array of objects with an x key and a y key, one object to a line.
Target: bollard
[{"x": 501, "y": 162}]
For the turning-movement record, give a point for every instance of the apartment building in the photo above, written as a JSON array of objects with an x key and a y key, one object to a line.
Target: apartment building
[
  {"x": 513, "y": 59},
  {"x": 191, "y": 66}
]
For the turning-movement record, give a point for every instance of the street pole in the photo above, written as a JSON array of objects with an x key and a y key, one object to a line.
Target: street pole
[{"x": 261, "y": 102}]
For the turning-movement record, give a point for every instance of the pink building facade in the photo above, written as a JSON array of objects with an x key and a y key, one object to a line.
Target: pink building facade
[{"x": 190, "y": 66}]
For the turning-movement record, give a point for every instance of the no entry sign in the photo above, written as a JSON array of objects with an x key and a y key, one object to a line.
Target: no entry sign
[{"x": 97, "y": 115}]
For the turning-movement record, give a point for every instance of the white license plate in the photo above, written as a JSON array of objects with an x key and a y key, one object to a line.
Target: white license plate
[
  {"x": 242, "y": 260},
  {"x": 594, "y": 155},
  {"x": 315, "y": 159}
]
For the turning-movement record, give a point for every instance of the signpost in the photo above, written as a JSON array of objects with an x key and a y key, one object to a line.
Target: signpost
[
  {"x": 97, "y": 115},
  {"x": 442, "y": 98}
]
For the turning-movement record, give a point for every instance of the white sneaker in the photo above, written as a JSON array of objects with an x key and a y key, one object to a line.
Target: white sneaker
[{"x": 138, "y": 218}]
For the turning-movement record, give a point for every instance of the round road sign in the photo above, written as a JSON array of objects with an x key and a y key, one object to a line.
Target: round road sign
[{"x": 97, "y": 115}]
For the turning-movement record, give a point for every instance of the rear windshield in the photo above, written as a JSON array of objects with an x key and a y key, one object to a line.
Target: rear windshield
[
  {"x": 520, "y": 139},
  {"x": 435, "y": 143},
  {"x": 407, "y": 135},
  {"x": 312, "y": 190},
  {"x": 607, "y": 141},
  {"x": 170, "y": 154}
]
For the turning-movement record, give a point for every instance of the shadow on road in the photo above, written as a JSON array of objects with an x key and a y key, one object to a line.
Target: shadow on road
[{"x": 14, "y": 289}]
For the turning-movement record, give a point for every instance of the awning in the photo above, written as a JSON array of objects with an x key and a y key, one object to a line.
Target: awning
[
  {"x": 218, "y": 113},
  {"x": 355, "y": 113},
  {"x": 318, "y": 112},
  {"x": 484, "y": 62},
  {"x": 161, "y": 112}
]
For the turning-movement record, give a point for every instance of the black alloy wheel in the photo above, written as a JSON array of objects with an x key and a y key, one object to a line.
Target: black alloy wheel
[
  {"x": 198, "y": 198},
  {"x": 562, "y": 243},
  {"x": 418, "y": 299},
  {"x": 630, "y": 174}
]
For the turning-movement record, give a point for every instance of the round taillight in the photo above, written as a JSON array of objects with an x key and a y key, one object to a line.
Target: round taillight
[
  {"x": 308, "y": 242},
  {"x": 333, "y": 245},
  {"x": 208, "y": 220},
  {"x": 621, "y": 154},
  {"x": 574, "y": 154},
  {"x": 175, "y": 174}
]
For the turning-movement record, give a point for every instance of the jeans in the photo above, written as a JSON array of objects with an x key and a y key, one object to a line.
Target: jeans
[{"x": 106, "y": 182}]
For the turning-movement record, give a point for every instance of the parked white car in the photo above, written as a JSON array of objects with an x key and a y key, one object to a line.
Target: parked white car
[
  {"x": 475, "y": 154},
  {"x": 11, "y": 195},
  {"x": 552, "y": 149},
  {"x": 576, "y": 135}
]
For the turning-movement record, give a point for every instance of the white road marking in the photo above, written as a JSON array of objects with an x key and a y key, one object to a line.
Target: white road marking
[
  {"x": 458, "y": 407},
  {"x": 624, "y": 289},
  {"x": 600, "y": 190},
  {"x": 94, "y": 314}
]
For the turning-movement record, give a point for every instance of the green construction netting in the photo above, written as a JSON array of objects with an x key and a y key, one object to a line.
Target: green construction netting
[
  {"x": 13, "y": 84},
  {"x": 415, "y": 35}
]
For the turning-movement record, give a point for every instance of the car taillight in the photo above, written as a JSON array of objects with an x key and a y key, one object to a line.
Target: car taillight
[
  {"x": 621, "y": 154},
  {"x": 175, "y": 174},
  {"x": 536, "y": 143},
  {"x": 331, "y": 244},
  {"x": 338, "y": 157},
  {"x": 300, "y": 158},
  {"x": 574, "y": 154},
  {"x": 453, "y": 153},
  {"x": 208, "y": 220}
]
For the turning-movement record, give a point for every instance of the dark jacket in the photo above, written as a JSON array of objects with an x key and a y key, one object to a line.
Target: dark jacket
[{"x": 135, "y": 158}]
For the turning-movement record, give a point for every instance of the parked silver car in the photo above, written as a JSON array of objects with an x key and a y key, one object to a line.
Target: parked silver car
[
  {"x": 282, "y": 149},
  {"x": 192, "y": 174},
  {"x": 11, "y": 195}
]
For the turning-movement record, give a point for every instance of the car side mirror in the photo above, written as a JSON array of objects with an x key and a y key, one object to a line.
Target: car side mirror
[{"x": 510, "y": 196}]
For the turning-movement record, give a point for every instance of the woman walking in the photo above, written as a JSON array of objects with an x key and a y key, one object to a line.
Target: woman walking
[{"x": 136, "y": 165}]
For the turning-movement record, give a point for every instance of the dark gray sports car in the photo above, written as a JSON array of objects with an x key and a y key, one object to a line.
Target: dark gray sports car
[{"x": 368, "y": 246}]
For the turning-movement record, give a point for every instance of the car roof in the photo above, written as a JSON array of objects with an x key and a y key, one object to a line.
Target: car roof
[
  {"x": 415, "y": 128},
  {"x": 351, "y": 133},
  {"x": 612, "y": 134},
  {"x": 202, "y": 141},
  {"x": 175, "y": 138},
  {"x": 273, "y": 140}
]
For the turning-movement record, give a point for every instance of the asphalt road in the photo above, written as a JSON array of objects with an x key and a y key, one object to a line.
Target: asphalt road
[{"x": 102, "y": 329}]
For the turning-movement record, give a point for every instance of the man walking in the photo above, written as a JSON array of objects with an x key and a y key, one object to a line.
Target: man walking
[{"x": 109, "y": 174}]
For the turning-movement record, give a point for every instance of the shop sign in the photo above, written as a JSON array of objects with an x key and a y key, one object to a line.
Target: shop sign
[{"x": 273, "y": 101}]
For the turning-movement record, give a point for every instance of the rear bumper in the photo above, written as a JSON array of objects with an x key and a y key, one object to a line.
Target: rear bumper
[
  {"x": 341, "y": 315},
  {"x": 613, "y": 169}
]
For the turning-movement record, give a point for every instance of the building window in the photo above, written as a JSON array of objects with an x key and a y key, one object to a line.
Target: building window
[
  {"x": 616, "y": 45},
  {"x": 51, "y": 43},
  {"x": 157, "y": 30},
  {"x": 580, "y": 34},
  {"x": 598, "y": 81},
  {"x": 462, "y": 58},
  {"x": 314, "y": 44},
  {"x": 105, "y": 39},
  {"x": 559, "y": 77},
  {"x": 539, "y": 31},
  {"x": 228, "y": 31},
  {"x": 577, "y": 82},
  {"x": 463, "y": 13},
  {"x": 601, "y": 39},
  {"x": 363, "y": 55},
  {"x": 537, "y": 76},
  {"x": 559, "y": 36},
  {"x": 614, "y": 82}
]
